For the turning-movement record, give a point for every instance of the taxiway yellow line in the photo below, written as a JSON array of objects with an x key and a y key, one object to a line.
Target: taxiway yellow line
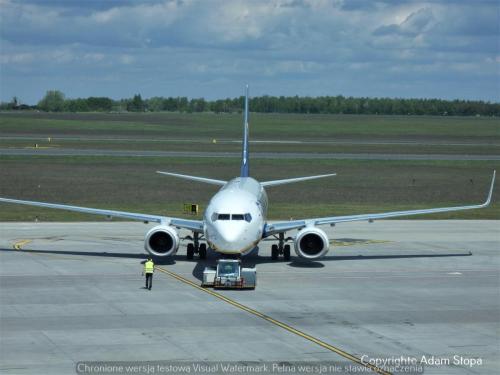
[
  {"x": 18, "y": 245},
  {"x": 275, "y": 322}
]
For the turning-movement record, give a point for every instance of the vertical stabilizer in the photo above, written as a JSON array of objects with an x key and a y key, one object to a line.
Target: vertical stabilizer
[{"x": 245, "y": 170}]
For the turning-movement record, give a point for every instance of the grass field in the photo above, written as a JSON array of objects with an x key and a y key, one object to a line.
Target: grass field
[
  {"x": 263, "y": 126},
  {"x": 132, "y": 184},
  {"x": 361, "y": 186}
]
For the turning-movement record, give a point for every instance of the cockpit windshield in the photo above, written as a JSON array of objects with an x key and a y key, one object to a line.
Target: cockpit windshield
[{"x": 247, "y": 217}]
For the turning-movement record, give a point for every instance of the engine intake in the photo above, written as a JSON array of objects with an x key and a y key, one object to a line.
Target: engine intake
[
  {"x": 162, "y": 241},
  {"x": 311, "y": 243}
]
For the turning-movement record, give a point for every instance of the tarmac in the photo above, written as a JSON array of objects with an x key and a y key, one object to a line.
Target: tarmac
[
  {"x": 426, "y": 291},
  {"x": 49, "y": 151},
  {"x": 345, "y": 141}
]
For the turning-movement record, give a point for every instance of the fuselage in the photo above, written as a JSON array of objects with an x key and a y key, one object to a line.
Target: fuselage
[{"x": 235, "y": 216}]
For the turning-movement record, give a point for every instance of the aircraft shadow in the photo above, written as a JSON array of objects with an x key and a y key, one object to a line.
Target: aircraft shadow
[
  {"x": 302, "y": 263},
  {"x": 254, "y": 258},
  {"x": 143, "y": 256},
  {"x": 251, "y": 260}
]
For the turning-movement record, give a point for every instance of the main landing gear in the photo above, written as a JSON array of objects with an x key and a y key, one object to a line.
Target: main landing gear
[
  {"x": 196, "y": 248},
  {"x": 280, "y": 249}
]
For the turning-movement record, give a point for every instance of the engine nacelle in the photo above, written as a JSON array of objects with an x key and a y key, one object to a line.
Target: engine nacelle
[
  {"x": 311, "y": 243},
  {"x": 162, "y": 241}
]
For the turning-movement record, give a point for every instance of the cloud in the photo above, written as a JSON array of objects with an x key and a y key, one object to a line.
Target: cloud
[
  {"x": 17, "y": 58},
  {"x": 289, "y": 47},
  {"x": 416, "y": 23}
]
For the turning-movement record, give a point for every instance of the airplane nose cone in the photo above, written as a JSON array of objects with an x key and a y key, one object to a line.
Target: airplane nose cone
[{"x": 230, "y": 235}]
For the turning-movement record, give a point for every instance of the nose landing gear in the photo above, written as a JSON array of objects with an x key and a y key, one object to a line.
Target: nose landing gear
[{"x": 202, "y": 251}]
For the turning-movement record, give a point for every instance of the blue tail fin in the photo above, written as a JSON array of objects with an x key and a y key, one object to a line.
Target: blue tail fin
[{"x": 245, "y": 170}]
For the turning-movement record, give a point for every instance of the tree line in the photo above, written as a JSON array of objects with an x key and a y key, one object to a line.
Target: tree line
[{"x": 55, "y": 101}]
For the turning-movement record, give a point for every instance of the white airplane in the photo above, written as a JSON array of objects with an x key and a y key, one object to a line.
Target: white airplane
[{"x": 235, "y": 220}]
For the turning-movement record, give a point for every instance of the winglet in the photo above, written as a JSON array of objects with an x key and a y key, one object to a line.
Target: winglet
[{"x": 490, "y": 194}]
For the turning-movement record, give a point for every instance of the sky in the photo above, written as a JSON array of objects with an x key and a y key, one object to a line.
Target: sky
[{"x": 212, "y": 48}]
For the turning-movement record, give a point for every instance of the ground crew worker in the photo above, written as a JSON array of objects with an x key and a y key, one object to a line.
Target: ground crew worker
[{"x": 149, "y": 269}]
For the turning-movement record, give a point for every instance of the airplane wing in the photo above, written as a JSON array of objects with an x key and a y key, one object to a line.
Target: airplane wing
[
  {"x": 194, "y": 225},
  {"x": 280, "y": 227}
]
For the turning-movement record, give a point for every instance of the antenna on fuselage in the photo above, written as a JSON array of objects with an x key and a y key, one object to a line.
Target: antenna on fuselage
[{"x": 245, "y": 170}]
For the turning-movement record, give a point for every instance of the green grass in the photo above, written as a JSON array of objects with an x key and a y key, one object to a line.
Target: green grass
[
  {"x": 187, "y": 132},
  {"x": 362, "y": 186},
  {"x": 131, "y": 184},
  {"x": 263, "y": 126}
]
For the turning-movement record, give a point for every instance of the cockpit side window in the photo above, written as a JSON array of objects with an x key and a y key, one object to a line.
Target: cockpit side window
[{"x": 248, "y": 217}]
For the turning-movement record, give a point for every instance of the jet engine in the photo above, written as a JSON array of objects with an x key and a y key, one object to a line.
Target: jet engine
[
  {"x": 311, "y": 243},
  {"x": 162, "y": 241}
]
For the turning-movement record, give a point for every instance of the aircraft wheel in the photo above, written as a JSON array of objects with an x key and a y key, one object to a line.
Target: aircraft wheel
[
  {"x": 203, "y": 251},
  {"x": 274, "y": 252},
  {"x": 190, "y": 251},
  {"x": 286, "y": 253}
]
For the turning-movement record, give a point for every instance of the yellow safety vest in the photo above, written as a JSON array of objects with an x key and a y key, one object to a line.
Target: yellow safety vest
[{"x": 149, "y": 267}]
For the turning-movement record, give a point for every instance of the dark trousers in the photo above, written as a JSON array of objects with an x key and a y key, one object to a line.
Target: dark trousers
[{"x": 149, "y": 280}]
